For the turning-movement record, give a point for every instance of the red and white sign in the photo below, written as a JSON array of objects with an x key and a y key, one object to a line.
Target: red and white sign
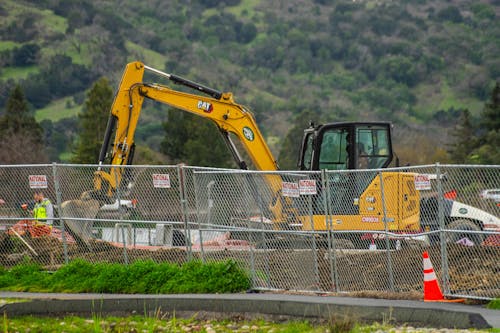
[
  {"x": 161, "y": 180},
  {"x": 290, "y": 189},
  {"x": 38, "y": 181},
  {"x": 370, "y": 219},
  {"x": 307, "y": 187},
  {"x": 422, "y": 182}
]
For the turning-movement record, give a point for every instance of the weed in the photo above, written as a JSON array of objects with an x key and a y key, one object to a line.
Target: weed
[
  {"x": 341, "y": 324},
  {"x": 494, "y": 304},
  {"x": 5, "y": 323}
]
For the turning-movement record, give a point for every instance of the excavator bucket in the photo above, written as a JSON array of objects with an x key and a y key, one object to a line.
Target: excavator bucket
[{"x": 87, "y": 210}]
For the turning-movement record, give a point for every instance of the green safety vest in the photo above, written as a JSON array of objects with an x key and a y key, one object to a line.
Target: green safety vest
[{"x": 40, "y": 210}]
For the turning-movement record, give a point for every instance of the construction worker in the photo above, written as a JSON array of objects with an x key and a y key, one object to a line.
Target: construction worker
[
  {"x": 362, "y": 157},
  {"x": 43, "y": 212}
]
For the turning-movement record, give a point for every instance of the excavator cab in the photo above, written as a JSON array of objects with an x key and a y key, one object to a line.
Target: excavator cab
[{"x": 346, "y": 146}]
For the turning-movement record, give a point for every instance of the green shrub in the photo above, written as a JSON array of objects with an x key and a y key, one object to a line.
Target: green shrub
[
  {"x": 27, "y": 276},
  {"x": 110, "y": 278},
  {"x": 77, "y": 276},
  {"x": 145, "y": 277}
]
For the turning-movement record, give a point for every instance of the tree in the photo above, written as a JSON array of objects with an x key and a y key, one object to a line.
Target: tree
[
  {"x": 450, "y": 13},
  {"x": 26, "y": 55},
  {"x": 465, "y": 139},
  {"x": 195, "y": 141},
  {"x": 491, "y": 113},
  {"x": 21, "y": 137},
  {"x": 487, "y": 151},
  {"x": 480, "y": 148},
  {"x": 93, "y": 122},
  {"x": 291, "y": 145}
]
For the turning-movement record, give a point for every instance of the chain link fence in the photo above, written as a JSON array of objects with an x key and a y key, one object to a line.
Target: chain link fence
[{"x": 342, "y": 231}]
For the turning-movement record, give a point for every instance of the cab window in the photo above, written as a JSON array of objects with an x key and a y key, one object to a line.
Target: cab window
[
  {"x": 333, "y": 152},
  {"x": 373, "y": 149},
  {"x": 308, "y": 150}
]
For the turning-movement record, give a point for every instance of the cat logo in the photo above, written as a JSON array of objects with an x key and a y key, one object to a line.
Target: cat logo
[
  {"x": 205, "y": 106},
  {"x": 371, "y": 199}
]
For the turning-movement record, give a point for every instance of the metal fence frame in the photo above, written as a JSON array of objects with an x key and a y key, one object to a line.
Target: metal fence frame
[{"x": 207, "y": 204}]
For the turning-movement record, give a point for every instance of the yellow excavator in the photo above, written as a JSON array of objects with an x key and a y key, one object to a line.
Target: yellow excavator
[{"x": 333, "y": 146}]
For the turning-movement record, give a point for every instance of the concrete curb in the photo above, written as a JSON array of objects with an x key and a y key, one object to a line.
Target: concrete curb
[{"x": 274, "y": 306}]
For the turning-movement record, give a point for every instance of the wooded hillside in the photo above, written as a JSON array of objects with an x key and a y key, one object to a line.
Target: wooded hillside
[{"x": 415, "y": 63}]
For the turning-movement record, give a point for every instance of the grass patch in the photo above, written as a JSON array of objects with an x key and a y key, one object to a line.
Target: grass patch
[
  {"x": 148, "y": 324},
  {"x": 431, "y": 99},
  {"x": 54, "y": 22},
  {"x": 8, "y": 45},
  {"x": 144, "y": 277},
  {"x": 18, "y": 73},
  {"x": 159, "y": 322},
  {"x": 59, "y": 109},
  {"x": 148, "y": 57},
  {"x": 246, "y": 9},
  {"x": 494, "y": 304}
]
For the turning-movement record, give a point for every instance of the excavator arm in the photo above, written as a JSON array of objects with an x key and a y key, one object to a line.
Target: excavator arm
[{"x": 219, "y": 107}]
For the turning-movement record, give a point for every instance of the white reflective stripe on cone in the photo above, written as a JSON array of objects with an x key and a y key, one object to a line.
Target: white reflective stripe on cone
[{"x": 431, "y": 276}]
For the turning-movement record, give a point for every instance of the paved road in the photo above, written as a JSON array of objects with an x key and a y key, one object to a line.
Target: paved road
[{"x": 416, "y": 313}]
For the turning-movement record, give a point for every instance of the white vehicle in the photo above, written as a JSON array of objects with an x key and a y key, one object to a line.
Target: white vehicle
[
  {"x": 117, "y": 204},
  {"x": 491, "y": 194}
]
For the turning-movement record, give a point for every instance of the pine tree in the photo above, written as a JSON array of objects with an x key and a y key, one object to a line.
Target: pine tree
[
  {"x": 488, "y": 151},
  {"x": 93, "y": 122},
  {"x": 465, "y": 139},
  {"x": 176, "y": 134},
  {"x": 18, "y": 118},
  {"x": 491, "y": 113},
  {"x": 195, "y": 141},
  {"x": 21, "y": 137}
]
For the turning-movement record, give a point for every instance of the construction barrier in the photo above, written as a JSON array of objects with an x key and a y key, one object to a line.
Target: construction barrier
[{"x": 179, "y": 213}]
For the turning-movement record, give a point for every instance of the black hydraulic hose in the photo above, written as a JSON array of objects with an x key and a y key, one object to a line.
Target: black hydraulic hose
[
  {"x": 107, "y": 136},
  {"x": 191, "y": 84}
]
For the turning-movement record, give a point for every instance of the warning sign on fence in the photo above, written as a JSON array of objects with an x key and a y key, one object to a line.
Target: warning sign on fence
[
  {"x": 307, "y": 187},
  {"x": 38, "y": 181},
  {"x": 161, "y": 180},
  {"x": 422, "y": 182},
  {"x": 290, "y": 189}
]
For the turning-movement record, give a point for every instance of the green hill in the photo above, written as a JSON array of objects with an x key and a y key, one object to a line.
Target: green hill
[{"x": 415, "y": 63}]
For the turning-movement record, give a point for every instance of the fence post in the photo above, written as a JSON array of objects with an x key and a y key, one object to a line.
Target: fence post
[
  {"x": 198, "y": 217},
  {"x": 183, "y": 198},
  {"x": 251, "y": 236},
  {"x": 445, "y": 279},
  {"x": 387, "y": 244},
  {"x": 59, "y": 201},
  {"x": 314, "y": 248},
  {"x": 125, "y": 255},
  {"x": 250, "y": 189},
  {"x": 331, "y": 236}
]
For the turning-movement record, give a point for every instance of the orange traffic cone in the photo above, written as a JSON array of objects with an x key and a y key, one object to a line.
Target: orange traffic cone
[{"x": 432, "y": 291}]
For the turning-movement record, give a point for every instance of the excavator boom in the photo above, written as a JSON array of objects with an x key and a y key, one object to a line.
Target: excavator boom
[
  {"x": 119, "y": 141},
  {"x": 218, "y": 107}
]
